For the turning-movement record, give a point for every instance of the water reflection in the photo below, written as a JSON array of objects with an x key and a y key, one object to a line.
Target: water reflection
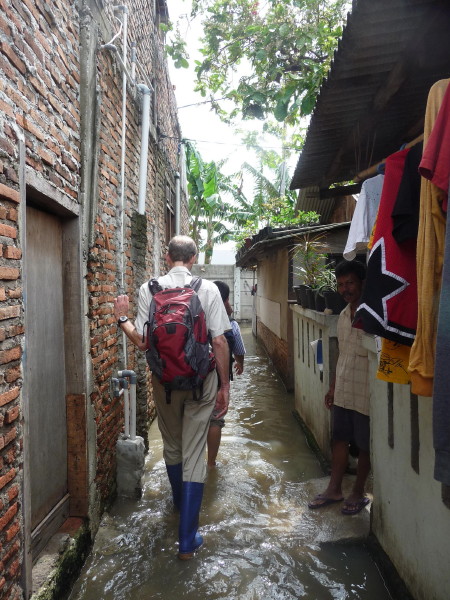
[{"x": 260, "y": 540}]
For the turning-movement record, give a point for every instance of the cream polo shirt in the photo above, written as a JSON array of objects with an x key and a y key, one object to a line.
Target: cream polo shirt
[
  {"x": 217, "y": 320},
  {"x": 352, "y": 370}
]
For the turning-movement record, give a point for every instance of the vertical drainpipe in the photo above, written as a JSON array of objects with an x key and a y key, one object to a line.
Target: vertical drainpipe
[
  {"x": 145, "y": 130},
  {"x": 177, "y": 204},
  {"x": 124, "y": 10}
]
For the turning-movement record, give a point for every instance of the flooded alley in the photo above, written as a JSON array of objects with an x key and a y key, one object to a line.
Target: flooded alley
[{"x": 261, "y": 541}]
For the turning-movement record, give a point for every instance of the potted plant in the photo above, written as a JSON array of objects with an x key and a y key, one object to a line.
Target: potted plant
[
  {"x": 328, "y": 290},
  {"x": 309, "y": 258}
]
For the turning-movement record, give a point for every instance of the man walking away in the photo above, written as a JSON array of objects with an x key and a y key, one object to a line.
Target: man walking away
[{"x": 184, "y": 415}]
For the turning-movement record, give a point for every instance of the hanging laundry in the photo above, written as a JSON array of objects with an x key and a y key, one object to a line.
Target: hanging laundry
[
  {"x": 435, "y": 164},
  {"x": 389, "y": 302},
  {"x": 393, "y": 362},
  {"x": 405, "y": 214},
  {"x": 364, "y": 217},
  {"x": 441, "y": 400},
  {"x": 430, "y": 249}
]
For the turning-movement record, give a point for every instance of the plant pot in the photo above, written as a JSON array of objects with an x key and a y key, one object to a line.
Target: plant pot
[
  {"x": 296, "y": 289},
  {"x": 302, "y": 288},
  {"x": 310, "y": 299},
  {"x": 334, "y": 301},
  {"x": 320, "y": 302}
]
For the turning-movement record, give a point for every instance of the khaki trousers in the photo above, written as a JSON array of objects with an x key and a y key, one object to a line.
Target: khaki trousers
[{"x": 184, "y": 425}]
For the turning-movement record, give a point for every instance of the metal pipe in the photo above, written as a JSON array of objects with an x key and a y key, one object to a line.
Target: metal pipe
[
  {"x": 145, "y": 131},
  {"x": 126, "y": 407},
  {"x": 133, "y": 61},
  {"x": 177, "y": 204},
  {"x": 133, "y": 411},
  {"x": 122, "y": 167},
  {"x": 130, "y": 413}
]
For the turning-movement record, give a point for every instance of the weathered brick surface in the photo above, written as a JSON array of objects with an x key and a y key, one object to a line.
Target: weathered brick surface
[
  {"x": 40, "y": 75},
  {"x": 276, "y": 348}
]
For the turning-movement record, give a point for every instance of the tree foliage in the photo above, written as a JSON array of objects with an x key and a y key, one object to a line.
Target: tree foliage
[
  {"x": 269, "y": 57},
  {"x": 221, "y": 212},
  {"x": 210, "y": 214}
]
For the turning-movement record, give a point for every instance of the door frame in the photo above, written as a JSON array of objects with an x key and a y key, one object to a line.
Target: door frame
[{"x": 42, "y": 195}]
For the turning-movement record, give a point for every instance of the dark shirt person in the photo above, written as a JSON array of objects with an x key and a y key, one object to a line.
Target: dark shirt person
[{"x": 237, "y": 352}]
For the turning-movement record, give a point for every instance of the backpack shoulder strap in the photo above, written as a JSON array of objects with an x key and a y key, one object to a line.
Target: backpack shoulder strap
[
  {"x": 154, "y": 286},
  {"x": 195, "y": 284}
]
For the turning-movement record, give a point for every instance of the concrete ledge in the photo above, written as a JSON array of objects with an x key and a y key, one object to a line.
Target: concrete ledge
[{"x": 60, "y": 563}]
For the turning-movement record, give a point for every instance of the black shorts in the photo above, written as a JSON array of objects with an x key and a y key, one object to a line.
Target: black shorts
[{"x": 351, "y": 426}]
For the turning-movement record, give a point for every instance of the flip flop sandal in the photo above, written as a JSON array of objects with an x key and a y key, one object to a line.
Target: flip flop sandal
[
  {"x": 353, "y": 508},
  {"x": 324, "y": 502}
]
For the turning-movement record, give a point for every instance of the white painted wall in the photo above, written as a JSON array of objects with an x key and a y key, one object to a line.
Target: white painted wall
[
  {"x": 409, "y": 518},
  {"x": 242, "y": 302},
  {"x": 269, "y": 313},
  {"x": 310, "y": 384}
]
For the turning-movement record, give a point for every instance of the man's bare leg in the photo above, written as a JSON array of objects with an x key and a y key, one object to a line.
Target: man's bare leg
[
  {"x": 339, "y": 462},
  {"x": 213, "y": 443}
]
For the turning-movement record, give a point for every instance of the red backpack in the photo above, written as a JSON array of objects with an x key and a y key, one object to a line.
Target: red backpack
[{"x": 178, "y": 351}]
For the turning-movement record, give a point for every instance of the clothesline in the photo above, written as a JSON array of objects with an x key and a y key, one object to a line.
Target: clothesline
[{"x": 373, "y": 169}]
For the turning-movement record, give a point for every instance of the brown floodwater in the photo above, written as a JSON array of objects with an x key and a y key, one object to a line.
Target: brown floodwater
[{"x": 258, "y": 545}]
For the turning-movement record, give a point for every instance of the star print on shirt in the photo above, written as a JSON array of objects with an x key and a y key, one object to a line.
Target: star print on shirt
[{"x": 381, "y": 285}]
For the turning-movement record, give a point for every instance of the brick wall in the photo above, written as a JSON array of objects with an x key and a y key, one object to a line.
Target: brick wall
[
  {"x": 277, "y": 349},
  {"x": 41, "y": 79}
]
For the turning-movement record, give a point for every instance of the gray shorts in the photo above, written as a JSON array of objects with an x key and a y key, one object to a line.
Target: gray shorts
[{"x": 351, "y": 426}]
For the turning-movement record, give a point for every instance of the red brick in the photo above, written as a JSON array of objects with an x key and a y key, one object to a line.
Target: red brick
[
  {"x": 14, "y": 568},
  {"x": 13, "y": 58},
  {"x": 13, "y": 492},
  {"x": 13, "y": 549},
  {"x": 10, "y": 436},
  {"x": 11, "y": 415},
  {"x": 12, "y": 214},
  {"x": 8, "y": 231},
  {"x": 9, "y": 312},
  {"x": 7, "y": 356},
  {"x": 12, "y": 531},
  {"x": 13, "y": 374},
  {"x": 9, "y": 396},
  {"x": 5, "y": 479},
  {"x": 9, "y": 273},
  {"x": 15, "y": 293},
  {"x": 6, "y": 109}
]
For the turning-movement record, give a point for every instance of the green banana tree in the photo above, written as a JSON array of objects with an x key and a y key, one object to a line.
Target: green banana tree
[{"x": 209, "y": 212}]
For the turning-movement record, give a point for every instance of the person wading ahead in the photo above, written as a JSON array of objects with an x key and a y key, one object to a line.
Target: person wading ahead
[{"x": 184, "y": 421}]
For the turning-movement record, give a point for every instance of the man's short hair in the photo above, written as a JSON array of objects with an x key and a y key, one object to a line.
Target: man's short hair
[
  {"x": 182, "y": 248},
  {"x": 224, "y": 290},
  {"x": 351, "y": 266}
]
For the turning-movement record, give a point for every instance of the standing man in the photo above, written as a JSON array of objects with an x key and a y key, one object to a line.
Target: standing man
[
  {"x": 348, "y": 397},
  {"x": 184, "y": 422},
  {"x": 237, "y": 352}
]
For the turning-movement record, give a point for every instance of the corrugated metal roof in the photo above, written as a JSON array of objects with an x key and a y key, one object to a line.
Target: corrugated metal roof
[
  {"x": 269, "y": 238},
  {"x": 374, "y": 98}
]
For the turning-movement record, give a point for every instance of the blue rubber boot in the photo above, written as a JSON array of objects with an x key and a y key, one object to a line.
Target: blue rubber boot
[
  {"x": 191, "y": 501},
  {"x": 175, "y": 473}
]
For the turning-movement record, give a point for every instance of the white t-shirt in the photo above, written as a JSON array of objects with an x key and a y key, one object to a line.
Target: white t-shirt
[
  {"x": 217, "y": 320},
  {"x": 364, "y": 216}
]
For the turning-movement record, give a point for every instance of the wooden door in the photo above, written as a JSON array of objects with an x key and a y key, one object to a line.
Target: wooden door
[{"x": 45, "y": 370}]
